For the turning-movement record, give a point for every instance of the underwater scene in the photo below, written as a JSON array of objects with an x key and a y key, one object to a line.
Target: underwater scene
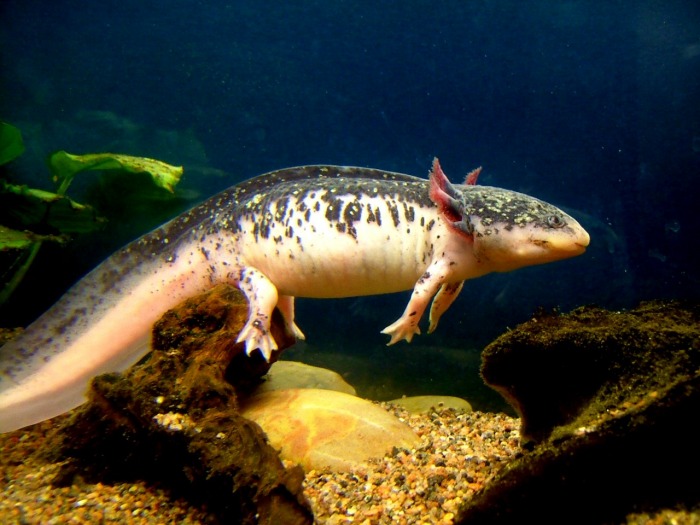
[{"x": 170, "y": 172}]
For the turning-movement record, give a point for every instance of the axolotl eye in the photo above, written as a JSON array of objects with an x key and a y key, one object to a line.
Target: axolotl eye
[{"x": 555, "y": 221}]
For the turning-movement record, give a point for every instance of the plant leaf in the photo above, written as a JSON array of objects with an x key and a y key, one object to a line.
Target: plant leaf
[
  {"x": 64, "y": 167},
  {"x": 16, "y": 240},
  {"x": 45, "y": 211},
  {"x": 36, "y": 194},
  {"x": 11, "y": 144}
]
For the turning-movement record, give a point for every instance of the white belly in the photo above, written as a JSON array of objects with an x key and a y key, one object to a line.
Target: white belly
[{"x": 316, "y": 259}]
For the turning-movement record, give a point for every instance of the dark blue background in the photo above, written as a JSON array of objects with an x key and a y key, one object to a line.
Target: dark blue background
[{"x": 591, "y": 105}]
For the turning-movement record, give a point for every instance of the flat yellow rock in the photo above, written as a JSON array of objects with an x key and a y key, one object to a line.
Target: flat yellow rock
[
  {"x": 324, "y": 428},
  {"x": 426, "y": 404},
  {"x": 292, "y": 374}
]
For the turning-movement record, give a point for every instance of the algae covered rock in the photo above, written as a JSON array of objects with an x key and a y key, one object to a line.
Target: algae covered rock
[
  {"x": 557, "y": 369},
  {"x": 173, "y": 419},
  {"x": 605, "y": 399}
]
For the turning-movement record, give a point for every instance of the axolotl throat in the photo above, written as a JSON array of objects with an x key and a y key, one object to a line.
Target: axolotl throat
[{"x": 311, "y": 231}]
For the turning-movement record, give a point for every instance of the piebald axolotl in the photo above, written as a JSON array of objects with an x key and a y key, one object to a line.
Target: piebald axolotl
[{"x": 310, "y": 231}]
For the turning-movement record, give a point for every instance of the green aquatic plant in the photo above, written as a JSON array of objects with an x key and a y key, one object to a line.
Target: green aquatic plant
[
  {"x": 31, "y": 216},
  {"x": 11, "y": 143}
]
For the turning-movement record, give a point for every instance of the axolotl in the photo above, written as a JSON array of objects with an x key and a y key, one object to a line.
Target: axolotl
[{"x": 310, "y": 231}]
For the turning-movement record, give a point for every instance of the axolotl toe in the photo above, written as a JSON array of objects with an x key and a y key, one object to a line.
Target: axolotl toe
[{"x": 310, "y": 231}]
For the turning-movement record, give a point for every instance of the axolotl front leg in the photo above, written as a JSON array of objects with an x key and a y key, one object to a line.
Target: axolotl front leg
[
  {"x": 439, "y": 280},
  {"x": 262, "y": 298},
  {"x": 433, "y": 283}
]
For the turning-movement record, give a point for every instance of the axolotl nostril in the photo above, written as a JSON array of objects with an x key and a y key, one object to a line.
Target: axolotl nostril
[{"x": 310, "y": 231}]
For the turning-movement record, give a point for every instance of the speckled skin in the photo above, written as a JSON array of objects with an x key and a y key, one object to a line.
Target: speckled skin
[{"x": 311, "y": 231}]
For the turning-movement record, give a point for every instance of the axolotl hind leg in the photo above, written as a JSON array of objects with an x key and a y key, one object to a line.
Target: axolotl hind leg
[
  {"x": 285, "y": 304},
  {"x": 262, "y": 298}
]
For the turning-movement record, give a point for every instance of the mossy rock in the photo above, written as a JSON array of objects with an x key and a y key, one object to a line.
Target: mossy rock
[
  {"x": 558, "y": 370},
  {"x": 605, "y": 399}
]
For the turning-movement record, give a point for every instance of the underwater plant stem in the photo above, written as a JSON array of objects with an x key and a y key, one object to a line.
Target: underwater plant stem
[
  {"x": 13, "y": 283},
  {"x": 63, "y": 187}
]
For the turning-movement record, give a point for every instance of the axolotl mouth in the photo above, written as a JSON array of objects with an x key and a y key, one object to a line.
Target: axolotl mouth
[
  {"x": 512, "y": 247},
  {"x": 566, "y": 245}
]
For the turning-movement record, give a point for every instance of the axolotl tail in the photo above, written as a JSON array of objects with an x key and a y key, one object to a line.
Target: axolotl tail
[{"x": 102, "y": 324}]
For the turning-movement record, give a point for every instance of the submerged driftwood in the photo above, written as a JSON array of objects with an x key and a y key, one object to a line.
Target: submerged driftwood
[{"x": 173, "y": 419}]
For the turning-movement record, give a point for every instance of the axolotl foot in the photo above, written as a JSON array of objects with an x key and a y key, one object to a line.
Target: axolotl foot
[
  {"x": 403, "y": 329},
  {"x": 256, "y": 334},
  {"x": 294, "y": 330}
]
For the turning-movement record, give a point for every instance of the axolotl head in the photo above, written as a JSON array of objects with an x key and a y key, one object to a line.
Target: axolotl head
[{"x": 508, "y": 229}]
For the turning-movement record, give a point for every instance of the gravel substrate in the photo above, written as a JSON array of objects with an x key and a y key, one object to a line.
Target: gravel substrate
[
  {"x": 457, "y": 454},
  {"x": 27, "y": 497}
]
